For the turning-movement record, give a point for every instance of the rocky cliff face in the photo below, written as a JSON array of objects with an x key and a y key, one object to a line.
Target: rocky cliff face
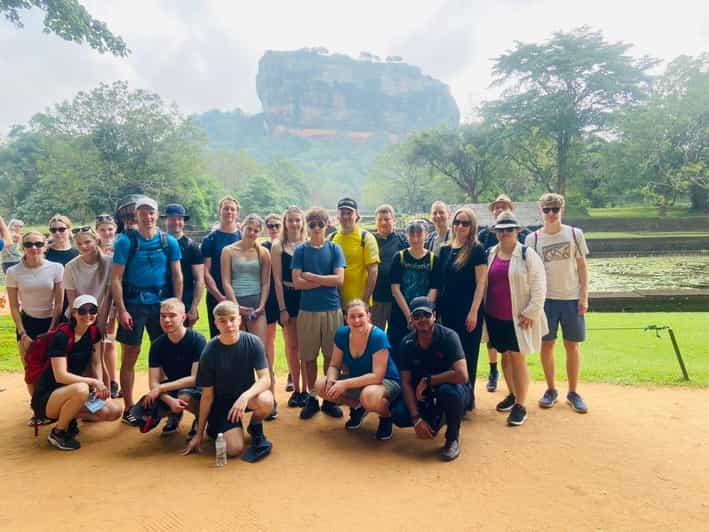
[{"x": 309, "y": 93}]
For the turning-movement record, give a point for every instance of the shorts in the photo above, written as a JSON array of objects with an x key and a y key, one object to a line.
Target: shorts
[
  {"x": 381, "y": 313},
  {"x": 33, "y": 326},
  {"x": 144, "y": 317},
  {"x": 316, "y": 331},
  {"x": 564, "y": 312},
  {"x": 217, "y": 421},
  {"x": 194, "y": 393},
  {"x": 502, "y": 335},
  {"x": 292, "y": 300},
  {"x": 392, "y": 390},
  {"x": 251, "y": 301},
  {"x": 272, "y": 313}
]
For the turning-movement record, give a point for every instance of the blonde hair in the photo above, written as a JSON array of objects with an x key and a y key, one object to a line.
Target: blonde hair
[
  {"x": 356, "y": 303},
  {"x": 442, "y": 204},
  {"x": 91, "y": 233},
  {"x": 173, "y": 302},
  {"x": 60, "y": 218},
  {"x": 226, "y": 308},
  {"x": 28, "y": 234},
  {"x": 466, "y": 249},
  {"x": 229, "y": 198},
  {"x": 260, "y": 250},
  {"x": 317, "y": 213},
  {"x": 384, "y": 209},
  {"x": 299, "y": 212}
]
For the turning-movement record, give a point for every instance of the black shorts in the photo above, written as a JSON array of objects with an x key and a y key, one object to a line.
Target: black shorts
[
  {"x": 217, "y": 421},
  {"x": 33, "y": 326},
  {"x": 144, "y": 317},
  {"x": 501, "y": 334},
  {"x": 292, "y": 300}
]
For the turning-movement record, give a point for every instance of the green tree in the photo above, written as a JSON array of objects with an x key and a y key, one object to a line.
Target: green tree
[
  {"x": 566, "y": 87},
  {"x": 69, "y": 20}
]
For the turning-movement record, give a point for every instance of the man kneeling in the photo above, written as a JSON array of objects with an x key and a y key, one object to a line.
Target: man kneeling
[
  {"x": 229, "y": 389},
  {"x": 174, "y": 355},
  {"x": 434, "y": 378}
]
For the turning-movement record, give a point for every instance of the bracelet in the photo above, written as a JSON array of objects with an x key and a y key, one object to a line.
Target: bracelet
[{"x": 283, "y": 310}]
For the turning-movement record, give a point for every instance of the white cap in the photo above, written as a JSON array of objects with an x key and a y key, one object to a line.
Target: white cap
[
  {"x": 145, "y": 201},
  {"x": 84, "y": 300}
]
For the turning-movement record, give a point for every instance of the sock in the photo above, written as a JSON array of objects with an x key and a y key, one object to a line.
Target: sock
[
  {"x": 493, "y": 367},
  {"x": 256, "y": 429}
]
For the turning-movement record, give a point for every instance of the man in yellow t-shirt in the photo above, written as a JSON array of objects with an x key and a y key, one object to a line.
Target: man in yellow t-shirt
[{"x": 361, "y": 254}]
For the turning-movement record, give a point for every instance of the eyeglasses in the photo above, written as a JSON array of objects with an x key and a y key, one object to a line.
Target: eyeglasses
[
  {"x": 464, "y": 223},
  {"x": 313, "y": 225},
  {"x": 82, "y": 229},
  {"x": 505, "y": 229},
  {"x": 273, "y": 226},
  {"x": 57, "y": 229},
  {"x": 37, "y": 244},
  {"x": 83, "y": 311},
  {"x": 547, "y": 210},
  {"x": 104, "y": 218},
  {"x": 421, "y": 314}
]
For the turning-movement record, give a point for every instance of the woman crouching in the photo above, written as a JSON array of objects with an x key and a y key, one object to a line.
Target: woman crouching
[
  {"x": 362, "y": 373},
  {"x": 62, "y": 391}
]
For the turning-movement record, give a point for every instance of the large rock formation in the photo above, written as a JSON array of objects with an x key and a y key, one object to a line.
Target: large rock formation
[{"x": 309, "y": 93}]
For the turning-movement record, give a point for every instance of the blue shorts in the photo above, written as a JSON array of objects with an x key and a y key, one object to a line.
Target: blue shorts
[
  {"x": 144, "y": 317},
  {"x": 564, "y": 312}
]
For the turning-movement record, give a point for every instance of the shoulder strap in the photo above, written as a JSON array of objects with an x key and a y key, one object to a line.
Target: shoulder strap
[
  {"x": 133, "y": 249},
  {"x": 163, "y": 241},
  {"x": 401, "y": 257},
  {"x": 66, "y": 329},
  {"x": 331, "y": 236},
  {"x": 362, "y": 237},
  {"x": 524, "y": 252},
  {"x": 576, "y": 243},
  {"x": 431, "y": 258},
  {"x": 536, "y": 240}
]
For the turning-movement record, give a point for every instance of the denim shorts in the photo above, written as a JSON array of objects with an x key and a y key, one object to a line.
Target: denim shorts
[
  {"x": 392, "y": 390},
  {"x": 564, "y": 312},
  {"x": 193, "y": 393},
  {"x": 144, "y": 317}
]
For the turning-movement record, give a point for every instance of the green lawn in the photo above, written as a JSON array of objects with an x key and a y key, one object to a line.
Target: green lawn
[
  {"x": 643, "y": 211},
  {"x": 612, "y": 356},
  {"x": 684, "y": 234}
]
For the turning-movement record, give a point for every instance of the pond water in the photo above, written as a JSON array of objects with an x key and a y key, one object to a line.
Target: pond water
[{"x": 621, "y": 274}]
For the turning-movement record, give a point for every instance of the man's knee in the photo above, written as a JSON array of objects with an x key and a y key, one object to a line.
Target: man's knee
[
  {"x": 371, "y": 398},
  {"x": 110, "y": 412},
  {"x": 320, "y": 386},
  {"x": 400, "y": 414},
  {"x": 234, "y": 443},
  {"x": 451, "y": 394},
  {"x": 262, "y": 404}
]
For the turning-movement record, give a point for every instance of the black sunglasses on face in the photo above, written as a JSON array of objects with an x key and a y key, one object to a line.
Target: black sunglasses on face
[
  {"x": 464, "y": 223},
  {"x": 421, "y": 314},
  {"x": 57, "y": 229},
  {"x": 28, "y": 245},
  {"x": 313, "y": 225},
  {"x": 83, "y": 229},
  {"x": 104, "y": 218},
  {"x": 83, "y": 311},
  {"x": 505, "y": 229},
  {"x": 547, "y": 210},
  {"x": 273, "y": 226}
]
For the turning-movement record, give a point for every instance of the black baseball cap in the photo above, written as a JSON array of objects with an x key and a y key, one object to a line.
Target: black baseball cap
[
  {"x": 421, "y": 303},
  {"x": 175, "y": 209},
  {"x": 347, "y": 203}
]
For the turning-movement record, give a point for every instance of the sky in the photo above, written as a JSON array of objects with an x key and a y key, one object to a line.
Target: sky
[{"x": 204, "y": 55}]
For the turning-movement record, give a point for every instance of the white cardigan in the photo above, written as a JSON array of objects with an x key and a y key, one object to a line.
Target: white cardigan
[{"x": 528, "y": 288}]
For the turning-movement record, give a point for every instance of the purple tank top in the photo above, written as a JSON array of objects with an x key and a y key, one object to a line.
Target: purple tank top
[{"x": 499, "y": 301}]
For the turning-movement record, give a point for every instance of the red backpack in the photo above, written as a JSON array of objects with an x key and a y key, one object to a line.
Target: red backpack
[{"x": 37, "y": 360}]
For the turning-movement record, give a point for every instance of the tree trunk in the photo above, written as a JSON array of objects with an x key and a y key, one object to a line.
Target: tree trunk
[
  {"x": 699, "y": 198},
  {"x": 562, "y": 162}
]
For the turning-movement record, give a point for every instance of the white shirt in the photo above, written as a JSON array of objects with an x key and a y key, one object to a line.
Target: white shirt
[
  {"x": 35, "y": 287},
  {"x": 85, "y": 278},
  {"x": 559, "y": 253}
]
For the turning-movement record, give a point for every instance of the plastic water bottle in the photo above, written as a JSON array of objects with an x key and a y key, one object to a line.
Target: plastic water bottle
[{"x": 220, "y": 448}]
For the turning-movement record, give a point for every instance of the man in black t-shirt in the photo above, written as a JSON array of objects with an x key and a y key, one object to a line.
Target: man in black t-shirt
[
  {"x": 229, "y": 389},
  {"x": 434, "y": 379},
  {"x": 191, "y": 263},
  {"x": 173, "y": 361}
]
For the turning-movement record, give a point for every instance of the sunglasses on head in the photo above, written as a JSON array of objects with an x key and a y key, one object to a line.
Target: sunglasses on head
[
  {"x": 421, "y": 314},
  {"x": 273, "y": 226},
  {"x": 37, "y": 244},
  {"x": 464, "y": 223},
  {"x": 104, "y": 218},
  {"x": 82, "y": 229},
  {"x": 87, "y": 309},
  {"x": 57, "y": 229},
  {"x": 547, "y": 210},
  {"x": 313, "y": 224},
  {"x": 505, "y": 229}
]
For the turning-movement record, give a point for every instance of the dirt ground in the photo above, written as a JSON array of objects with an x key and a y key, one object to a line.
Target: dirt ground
[{"x": 638, "y": 461}]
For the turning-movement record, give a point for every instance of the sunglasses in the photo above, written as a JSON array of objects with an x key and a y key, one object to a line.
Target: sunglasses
[
  {"x": 547, "y": 210},
  {"x": 273, "y": 226},
  {"x": 464, "y": 223},
  {"x": 421, "y": 314},
  {"x": 57, "y": 229},
  {"x": 104, "y": 218},
  {"x": 313, "y": 225},
  {"x": 505, "y": 229},
  {"x": 83, "y": 311},
  {"x": 28, "y": 245},
  {"x": 82, "y": 229}
]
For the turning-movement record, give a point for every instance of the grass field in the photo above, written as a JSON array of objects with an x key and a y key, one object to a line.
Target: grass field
[
  {"x": 626, "y": 356},
  {"x": 609, "y": 234},
  {"x": 644, "y": 211}
]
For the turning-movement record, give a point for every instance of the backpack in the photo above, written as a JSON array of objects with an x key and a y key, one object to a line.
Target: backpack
[
  {"x": 432, "y": 257},
  {"x": 37, "y": 360},
  {"x": 128, "y": 288}
]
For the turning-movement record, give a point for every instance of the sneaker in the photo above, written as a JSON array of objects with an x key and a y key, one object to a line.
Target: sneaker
[
  {"x": 576, "y": 402},
  {"x": 451, "y": 450},
  {"x": 506, "y": 404},
  {"x": 172, "y": 424},
  {"x": 310, "y": 409},
  {"x": 274, "y": 413},
  {"x": 289, "y": 384},
  {"x": 549, "y": 398},
  {"x": 303, "y": 400},
  {"x": 517, "y": 416},
  {"x": 73, "y": 428},
  {"x": 331, "y": 409},
  {"x": 294, "y": 400},
  {"x": 384, "y": 431},
  {"x": 492, "y": 382},
  {"x": 356, "y": 417},
  {"x": 115, "y": 392},
  {"x": 62, "y": 439},
  {"x": 129, "y": 419},
  {"x": 193, "y": 431}
]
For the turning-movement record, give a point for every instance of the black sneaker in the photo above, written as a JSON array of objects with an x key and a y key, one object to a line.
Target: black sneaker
[
  {"x": 310, "y": 409},
  {"x": 129, "y": 419},
  {"x": 172, "y": 424},
  {"x": 62, "y": 439},
  {"x": 451, "y": 450},
  {"x": 193, "y": 431},
  {"x": 303, "y": 399},
  {"x": 506, "y": 404},
  {"x": 294, "y": 400},
  {"x": 331, "y": 409},
  {"x": 384, "y": 431},
  {"x": 356, "y": 417},
  {"x": 274, "y": 413},
  {"x": 492, "y": 382},
  {"x": 289, "y": 384},
  {"x": 73, "y": 428},
  {"x": 517, "y": 416},
  {"x": 115, "y": 392}
]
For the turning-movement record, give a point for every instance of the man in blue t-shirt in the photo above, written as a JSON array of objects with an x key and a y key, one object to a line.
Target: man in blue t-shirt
[
  {"x": 144, "y": 262},
  {"x": 318, "y": 268}
]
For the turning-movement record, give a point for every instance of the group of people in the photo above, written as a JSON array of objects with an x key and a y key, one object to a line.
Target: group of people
[{"x": 398, "y": 317}]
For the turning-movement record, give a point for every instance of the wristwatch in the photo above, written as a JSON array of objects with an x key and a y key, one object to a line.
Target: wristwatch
[{"x": 428, "y": 381}]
